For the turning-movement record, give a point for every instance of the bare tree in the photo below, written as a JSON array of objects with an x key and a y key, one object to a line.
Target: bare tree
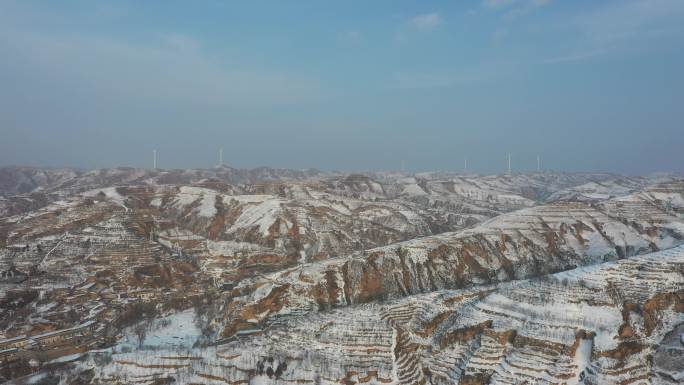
[{"x": 141, "y": 333}]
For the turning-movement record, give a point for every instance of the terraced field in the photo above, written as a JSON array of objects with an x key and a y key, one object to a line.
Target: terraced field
[{"x": 595, "y": 325}]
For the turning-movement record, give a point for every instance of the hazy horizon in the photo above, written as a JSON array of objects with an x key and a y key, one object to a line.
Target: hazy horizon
[
  {"x": 504, "y": 171},
  {"x": 355, "y": 86}
]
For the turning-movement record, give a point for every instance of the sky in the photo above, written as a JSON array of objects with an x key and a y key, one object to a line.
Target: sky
[{"x": 347, "y": 85}]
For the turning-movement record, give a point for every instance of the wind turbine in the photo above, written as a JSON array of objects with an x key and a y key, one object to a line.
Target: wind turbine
[
  {"x": 509, "y": 163},
  {"x": 538, "y": 163}
]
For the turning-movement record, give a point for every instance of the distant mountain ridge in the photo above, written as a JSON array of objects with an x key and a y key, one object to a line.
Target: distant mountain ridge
[
  {"x": 15, "y": 180},
  {"x": 22, "y": 180}
]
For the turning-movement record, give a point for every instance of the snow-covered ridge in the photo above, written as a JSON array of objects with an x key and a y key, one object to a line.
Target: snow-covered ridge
[{"x": 518, "y": 245}]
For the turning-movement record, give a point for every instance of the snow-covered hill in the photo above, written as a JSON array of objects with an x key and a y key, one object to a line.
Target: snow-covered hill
[
  {"x": 591, "y": 325},
  {"x": 279, "y": 277}
]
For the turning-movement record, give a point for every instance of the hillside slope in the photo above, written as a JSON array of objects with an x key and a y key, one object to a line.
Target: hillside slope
[{"x": 592, "y": 325}]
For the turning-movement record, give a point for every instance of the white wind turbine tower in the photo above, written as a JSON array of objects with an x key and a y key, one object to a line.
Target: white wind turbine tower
[
  {"x": 509, "y": 163},
  {"x": 538, "y": 163},
  {"x": 465, "y": 165},
  {"x": 220, "y": 163},
  {"x": 154, "y": 159}
]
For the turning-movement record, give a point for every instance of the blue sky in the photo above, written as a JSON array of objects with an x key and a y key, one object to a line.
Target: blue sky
[{"x": 353, "y": 85}]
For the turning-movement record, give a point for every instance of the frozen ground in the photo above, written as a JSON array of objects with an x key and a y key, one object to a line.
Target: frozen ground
[{"x": 177, "y": 331}]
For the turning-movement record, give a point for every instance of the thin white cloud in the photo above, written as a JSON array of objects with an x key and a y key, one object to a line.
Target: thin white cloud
[
  {"x": 497, "y": 4},
  {"x": 514, "y": 9},
  {"x": 159, "y": 68},
  {"x": 580, "y": 56},
  {"x": 628, "y": 19},
  {"x": 182, "y": 42},
  {"x": 623, "y": 26},
  {"x": 426, "y": 22},
  {"x": 351, "y": 37},
  {"x": 110, "y": 11},
  {"x": 444, "y": 79},
  {"x": 541, "y": 3}
]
